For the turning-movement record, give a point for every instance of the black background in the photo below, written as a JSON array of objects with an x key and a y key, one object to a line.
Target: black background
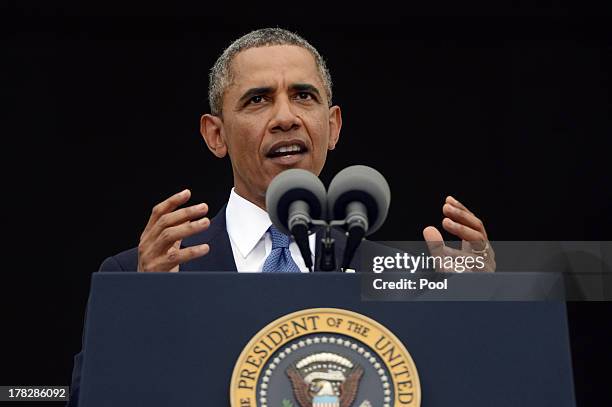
[{"x": 509, "y": 115}]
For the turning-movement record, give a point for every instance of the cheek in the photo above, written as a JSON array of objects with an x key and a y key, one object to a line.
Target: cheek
[
  {"x": 318, "y": 128},
  {"x": 244, "y": 139}
]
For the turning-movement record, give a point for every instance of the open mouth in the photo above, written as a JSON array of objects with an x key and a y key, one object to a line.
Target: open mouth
[{"x": 287, "y": 150}]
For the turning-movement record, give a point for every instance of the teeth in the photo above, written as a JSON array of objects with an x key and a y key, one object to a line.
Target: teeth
[{"x": 288, "y": 149}]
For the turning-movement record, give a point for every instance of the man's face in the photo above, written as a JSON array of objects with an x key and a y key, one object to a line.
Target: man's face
[{"x": 275, "y": 117}]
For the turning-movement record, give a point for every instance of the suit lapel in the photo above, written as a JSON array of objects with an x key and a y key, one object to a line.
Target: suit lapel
[{"x": 220, "y": 257}]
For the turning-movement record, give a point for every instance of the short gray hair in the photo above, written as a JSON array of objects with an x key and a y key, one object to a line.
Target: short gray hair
[{"x": 220, "y": 73}]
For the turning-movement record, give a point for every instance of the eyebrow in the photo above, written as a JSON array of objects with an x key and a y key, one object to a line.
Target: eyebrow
[
  {"x": 266, "y": 90},
  {"x": 305, "y": 87}
]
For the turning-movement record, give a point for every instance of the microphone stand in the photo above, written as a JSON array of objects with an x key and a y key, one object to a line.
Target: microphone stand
[{"x": 327, "y": 262}]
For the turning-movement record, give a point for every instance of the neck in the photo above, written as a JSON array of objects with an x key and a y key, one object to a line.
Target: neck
[{"x": 258, "y": 200}]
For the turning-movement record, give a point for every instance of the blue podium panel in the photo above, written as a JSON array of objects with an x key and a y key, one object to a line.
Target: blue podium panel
[{"x": 172, "y": 339}]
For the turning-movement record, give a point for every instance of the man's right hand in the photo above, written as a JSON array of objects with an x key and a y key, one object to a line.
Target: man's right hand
[{"x": 160, "y": 243}]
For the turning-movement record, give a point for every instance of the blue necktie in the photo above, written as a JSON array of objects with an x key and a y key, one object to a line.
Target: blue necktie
[{"x": 279, "y": 259}]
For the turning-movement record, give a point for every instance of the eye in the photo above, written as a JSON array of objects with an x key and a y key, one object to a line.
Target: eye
[
  {"x": 256, "y": 99},
  {"x": 304, "y": 96}
]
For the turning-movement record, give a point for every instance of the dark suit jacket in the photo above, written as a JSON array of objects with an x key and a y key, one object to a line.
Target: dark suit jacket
[{"x": 220, "y": 258}]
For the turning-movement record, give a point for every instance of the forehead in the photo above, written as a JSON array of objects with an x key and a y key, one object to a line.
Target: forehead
[{"x": 265, "y": 66}]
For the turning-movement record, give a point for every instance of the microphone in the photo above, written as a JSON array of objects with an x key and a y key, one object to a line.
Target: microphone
[
  {"x": 294, "y": 198},
  {"x": 360, "y": 197}
]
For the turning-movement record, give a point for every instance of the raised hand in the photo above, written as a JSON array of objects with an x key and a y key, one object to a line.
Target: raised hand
[
  {"x": 160, "y": 243},
  {"x": 461, "y": 222}
]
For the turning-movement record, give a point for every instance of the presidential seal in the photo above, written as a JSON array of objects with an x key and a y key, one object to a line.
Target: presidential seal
[{"x": 325, "y": 357}]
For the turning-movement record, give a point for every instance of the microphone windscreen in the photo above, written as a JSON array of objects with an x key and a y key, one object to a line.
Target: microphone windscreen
[
  {"x": 362, "y": 184},
  {"x": 290, "y": 186}
]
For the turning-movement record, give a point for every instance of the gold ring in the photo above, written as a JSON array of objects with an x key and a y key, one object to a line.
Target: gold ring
[{"x": 483, "y": 252}]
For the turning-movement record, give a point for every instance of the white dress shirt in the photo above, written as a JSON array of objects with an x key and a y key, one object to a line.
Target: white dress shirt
[{"x": 247, "y": 227}]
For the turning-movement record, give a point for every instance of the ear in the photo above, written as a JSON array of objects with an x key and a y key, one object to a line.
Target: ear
[
  {"x": 211, "y": 128},
  {"x": 335, "y": 124}
]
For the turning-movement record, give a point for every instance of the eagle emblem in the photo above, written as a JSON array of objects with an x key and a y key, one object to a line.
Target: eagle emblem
[
  {"x": 325, "y": 357},
  {"x": 324, "y": 380}
]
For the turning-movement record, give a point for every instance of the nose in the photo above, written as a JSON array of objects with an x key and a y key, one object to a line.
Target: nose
[{"x": 283, "y": 117}]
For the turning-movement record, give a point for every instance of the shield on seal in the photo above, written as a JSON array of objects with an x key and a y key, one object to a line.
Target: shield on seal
[{"x": 325, "y": 401}]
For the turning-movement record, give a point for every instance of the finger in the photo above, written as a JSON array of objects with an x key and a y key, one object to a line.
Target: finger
[
  {"x": 463, "y": 261},
  {"x": 479, "y": 248},
  {"x": 437, "y": 250},
  {"x": 463, "y": 217},
  {"x": 170, "y": 235},
  {"x": 434, "y": 240},
  {"x": 167, "y": 206},
  {"x": 487, "y": 257},
  {"x": 464, "y": 232},
  {"x": 178, "y": 217},
  {"x": 176, "y": 246},
  {"x": 173, "y": 258},
  {"x": 456, "y": 203}
]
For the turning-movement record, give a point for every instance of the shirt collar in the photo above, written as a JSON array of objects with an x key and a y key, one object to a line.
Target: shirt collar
[{"x": 246, "y": 223}]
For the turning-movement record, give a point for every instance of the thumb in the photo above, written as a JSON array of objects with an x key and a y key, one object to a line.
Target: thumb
[{"x": 434, "y": 240}]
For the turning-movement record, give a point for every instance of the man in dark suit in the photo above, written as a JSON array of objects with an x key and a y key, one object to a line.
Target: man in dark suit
[{"x": 271, "y": 109}]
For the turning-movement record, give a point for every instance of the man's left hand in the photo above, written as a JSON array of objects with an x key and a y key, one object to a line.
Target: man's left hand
[{"x": 461, "y": 222}]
